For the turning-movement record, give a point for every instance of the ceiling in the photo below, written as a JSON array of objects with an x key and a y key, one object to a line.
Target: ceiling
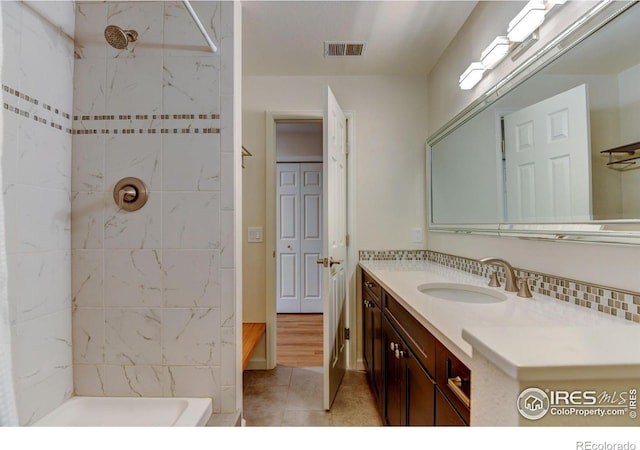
[{"x": 403, "y": 37}]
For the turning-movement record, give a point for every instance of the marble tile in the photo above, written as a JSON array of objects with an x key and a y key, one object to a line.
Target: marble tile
[
  {"x": 132, "y": 336},
  {"x": 191, "y": 220},
  {"x": 227, "y": 243},
  {"x": 87, "y": 163},
  {"x": 147, "y": 18},
  {"x": 226, "y": 124},
  {"x": 88, "y": 335},
  {"x": 9, "y": 142},
  {"x": 89, "y": 380},
  {"x": 227, "y": 402},
  {"x": 89, "y": 90},
  {"x": 138, "y": 229},
  {"x": 11, "y": 194},
  {"x": 191, "y": 162},
  {"x": 226, "y": 72},
  {"x": 43, "y": 219},
  {"x": 36, "y": 400},
  {"x": 181, "y": 35},
  {"x": 228, "y": 356},
  {"x": 40, "y": 283},
  {"x": 227, "y": 12},
  {"x": 134, "y": 155},
  {"x": 87, "y": 268},
  {"x": 42, "y": 346},
  {"x": 132, "y": 278},
  {"x": 134, "y": 84},
  {"x": 44, "y": 156},
  {"x": 192, "y": 381},
  {"x": 134, "y": 381},
  {"x": 228, "y": 308},
  {"x": 87, "y": 220},
  {"x": 191, "y": 278},
  {"x": 227, "y": 194},
  {"x": 191, "y": 337},
  {"x": 91, "y": 20},
  {"x": 11, "y": 48},
  {"x": 191, "y": 85}
]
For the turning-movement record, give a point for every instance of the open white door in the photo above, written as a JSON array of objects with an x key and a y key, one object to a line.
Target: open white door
[
  {"x": 334, "y": 218},
  {"x": 548, "y": 160}
]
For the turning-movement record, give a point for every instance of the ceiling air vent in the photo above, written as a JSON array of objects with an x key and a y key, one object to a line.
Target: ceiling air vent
[{"x": 344, "y": 48}]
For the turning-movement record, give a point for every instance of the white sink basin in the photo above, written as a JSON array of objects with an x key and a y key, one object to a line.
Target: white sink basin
[{"x": 464, "y": 293}]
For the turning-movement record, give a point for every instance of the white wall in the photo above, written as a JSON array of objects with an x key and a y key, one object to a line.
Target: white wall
[
  {"x": 390, "y": 135},
  {"x": 37, "y": 76},
  {"x": 154, "y": 290},
  {"x": 616, "y": 266},
  {"x": 298, "y": 146}
]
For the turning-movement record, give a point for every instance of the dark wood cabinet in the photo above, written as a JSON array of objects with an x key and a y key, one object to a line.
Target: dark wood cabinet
[
  {"x": 409, "y": 390},
  {"x": 372, "y": 343},
  {"x": 415, "y": 378},
  {"x": 446, "y": 414}
]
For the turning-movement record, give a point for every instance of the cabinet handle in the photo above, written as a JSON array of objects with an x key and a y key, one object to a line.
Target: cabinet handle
[
  {"x": 455, "y": 384},
  {"x": 393, "y": 346},
  {"x": 369, "y": 284},
  {"x": 400, "y": 353}
]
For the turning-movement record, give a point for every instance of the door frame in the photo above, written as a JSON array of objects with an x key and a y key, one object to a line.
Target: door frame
[{"x": 272, "y": 117}]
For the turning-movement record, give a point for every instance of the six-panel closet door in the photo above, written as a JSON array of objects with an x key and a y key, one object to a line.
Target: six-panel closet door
[{"x": 299, "y": 238}]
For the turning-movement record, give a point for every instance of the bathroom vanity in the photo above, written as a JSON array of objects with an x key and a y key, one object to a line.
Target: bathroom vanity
[{"x": 442, "y": 348}]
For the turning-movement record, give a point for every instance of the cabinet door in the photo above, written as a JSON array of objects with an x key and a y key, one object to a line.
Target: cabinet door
[
  {"x": 372, "y": 345},
  {"x": 367, "y": 334},
  {"x": 394, "y": 387},
  {"x": 377, "y": 371},
  {"x": 446, "y": 415},
  {"x": 420, "y": 391}
]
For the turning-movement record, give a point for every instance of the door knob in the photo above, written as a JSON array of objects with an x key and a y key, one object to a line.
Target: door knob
[{"x": 334, "y": 261}]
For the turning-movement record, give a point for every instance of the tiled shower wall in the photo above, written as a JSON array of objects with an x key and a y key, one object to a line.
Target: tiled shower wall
[
  {"x": 153, "y": 290},
  {"x": 37, "y": 75}
]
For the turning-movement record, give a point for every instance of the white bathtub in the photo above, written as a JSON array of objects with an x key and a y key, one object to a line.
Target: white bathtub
[{"x": 129, "y": 412}]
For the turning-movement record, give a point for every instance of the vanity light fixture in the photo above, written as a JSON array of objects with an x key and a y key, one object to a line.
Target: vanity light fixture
[
  {"x": 471, "y": 76},
  {"x": 527, "y": 21},
  {"x": 495, "y": 52}
]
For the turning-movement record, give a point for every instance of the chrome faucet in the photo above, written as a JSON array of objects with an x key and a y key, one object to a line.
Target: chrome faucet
[{"x": 510, "y": 275}]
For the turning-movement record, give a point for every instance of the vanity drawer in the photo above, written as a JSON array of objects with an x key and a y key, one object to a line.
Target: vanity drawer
[
  {"x": 419, "y": 339},
  {"x": 372, "y": 286},
  {"x": 454, "y": 380}
]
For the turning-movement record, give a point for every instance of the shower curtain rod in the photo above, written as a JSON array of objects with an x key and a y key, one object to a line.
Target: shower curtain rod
[{"x": 193, "y": 14}]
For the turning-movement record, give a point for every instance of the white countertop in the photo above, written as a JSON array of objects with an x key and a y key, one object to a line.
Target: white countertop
[{"x": 540, "y": 338}]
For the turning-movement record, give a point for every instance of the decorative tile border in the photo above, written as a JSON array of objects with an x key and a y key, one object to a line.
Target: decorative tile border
[
  {"x": 607, "y": 300},
  {"x": 44, "y": 116},
  {"x": 46, "y": 113}
]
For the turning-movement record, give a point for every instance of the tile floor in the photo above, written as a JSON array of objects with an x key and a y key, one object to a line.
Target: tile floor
[{"x": 292, "y": 396}]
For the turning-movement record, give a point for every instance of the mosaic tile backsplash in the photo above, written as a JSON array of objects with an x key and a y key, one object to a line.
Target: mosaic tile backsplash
[{"x": 607, "y": 300}]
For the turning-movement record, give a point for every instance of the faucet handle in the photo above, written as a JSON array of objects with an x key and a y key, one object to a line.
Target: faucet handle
[
  {"x": 523, "y": 286},
  {"x": 493, "y": 281}
]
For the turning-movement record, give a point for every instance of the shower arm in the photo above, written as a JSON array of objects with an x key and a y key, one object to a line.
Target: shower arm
[{"x": 193, "y": 14}]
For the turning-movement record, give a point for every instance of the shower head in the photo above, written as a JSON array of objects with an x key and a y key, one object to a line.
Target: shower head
[{"x": 119, "y": 38}]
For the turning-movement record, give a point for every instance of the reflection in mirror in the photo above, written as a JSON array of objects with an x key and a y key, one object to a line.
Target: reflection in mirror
[{"x": 541, "y": 153}]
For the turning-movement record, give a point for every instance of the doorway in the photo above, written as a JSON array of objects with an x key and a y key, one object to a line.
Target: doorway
[
  {"x": 272, "y": 119},
  {"x": 299, "y": 242}
]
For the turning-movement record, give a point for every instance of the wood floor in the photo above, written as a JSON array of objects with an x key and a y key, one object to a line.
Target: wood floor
[{"x": 299, "y": 340}]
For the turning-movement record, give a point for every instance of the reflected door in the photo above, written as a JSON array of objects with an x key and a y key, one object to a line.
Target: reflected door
[{"x": 548, "y": 160}]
